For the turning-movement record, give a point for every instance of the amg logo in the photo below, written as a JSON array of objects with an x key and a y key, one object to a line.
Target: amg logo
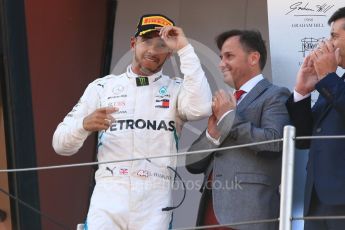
[{"x": 142, "y": 124}]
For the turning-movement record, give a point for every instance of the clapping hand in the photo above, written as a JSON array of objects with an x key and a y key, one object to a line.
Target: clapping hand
[
  {"x": 222, "y": 103},
  {"x": 326, "y": 58},
  {"x": 306, "y": 77}
]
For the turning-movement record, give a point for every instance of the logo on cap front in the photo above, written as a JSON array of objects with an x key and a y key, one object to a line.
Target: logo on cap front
[{"x": 158, "y": 20}]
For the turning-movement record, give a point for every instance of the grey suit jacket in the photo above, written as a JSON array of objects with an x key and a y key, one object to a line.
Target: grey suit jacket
[{"x": 246, "y": 180}]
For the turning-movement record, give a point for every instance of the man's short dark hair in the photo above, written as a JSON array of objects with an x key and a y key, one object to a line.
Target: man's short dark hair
[
  {"x": 251, "y": 40},
  {"x": 340, "y": 13}
]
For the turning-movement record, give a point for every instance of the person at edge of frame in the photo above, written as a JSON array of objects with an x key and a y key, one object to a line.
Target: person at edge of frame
[{"x": 325, "y": 183}]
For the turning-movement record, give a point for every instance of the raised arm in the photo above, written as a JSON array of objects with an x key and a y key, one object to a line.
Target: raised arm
[{"x": 194, "y": 100}]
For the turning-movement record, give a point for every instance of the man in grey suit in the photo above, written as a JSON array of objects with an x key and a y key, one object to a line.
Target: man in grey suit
[{"x": 242, "y": 184}]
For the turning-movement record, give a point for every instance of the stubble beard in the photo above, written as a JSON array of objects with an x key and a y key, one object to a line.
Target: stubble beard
[
  {"x": 147, "y": 71},
  {"x": 144, "y": 70}
]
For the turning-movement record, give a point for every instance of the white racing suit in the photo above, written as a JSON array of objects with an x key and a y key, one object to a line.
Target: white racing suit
[{"x": 132, "y": 194}]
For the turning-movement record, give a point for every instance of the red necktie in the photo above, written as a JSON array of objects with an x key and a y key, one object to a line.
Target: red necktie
[{"x": 238, "y": 94}]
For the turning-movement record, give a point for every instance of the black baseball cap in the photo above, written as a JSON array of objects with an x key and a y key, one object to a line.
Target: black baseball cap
[{"x": 149, "y": 22}]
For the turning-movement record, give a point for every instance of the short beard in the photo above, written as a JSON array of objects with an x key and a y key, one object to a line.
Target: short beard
[
  {"x": 149, "y": 72},
  {"x": 146, "y": 71}
]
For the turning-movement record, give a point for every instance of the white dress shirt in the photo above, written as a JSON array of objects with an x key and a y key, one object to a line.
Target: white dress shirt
[{"x": 299, "y": 97}]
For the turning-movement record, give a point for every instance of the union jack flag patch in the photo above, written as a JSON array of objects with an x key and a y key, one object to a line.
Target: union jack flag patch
[{"x": 123, "y": 171}]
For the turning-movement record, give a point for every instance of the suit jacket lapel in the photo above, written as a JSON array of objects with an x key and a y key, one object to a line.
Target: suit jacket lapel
[{"x": 253, "y": 94}]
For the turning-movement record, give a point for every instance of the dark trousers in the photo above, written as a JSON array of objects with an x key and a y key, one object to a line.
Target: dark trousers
[{"x": 317, "y": 208}]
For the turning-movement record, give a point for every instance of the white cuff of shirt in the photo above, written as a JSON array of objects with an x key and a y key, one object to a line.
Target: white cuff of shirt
[
  {"x": 213, "y": 140},
  {"x": 299, "y": 97}
]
